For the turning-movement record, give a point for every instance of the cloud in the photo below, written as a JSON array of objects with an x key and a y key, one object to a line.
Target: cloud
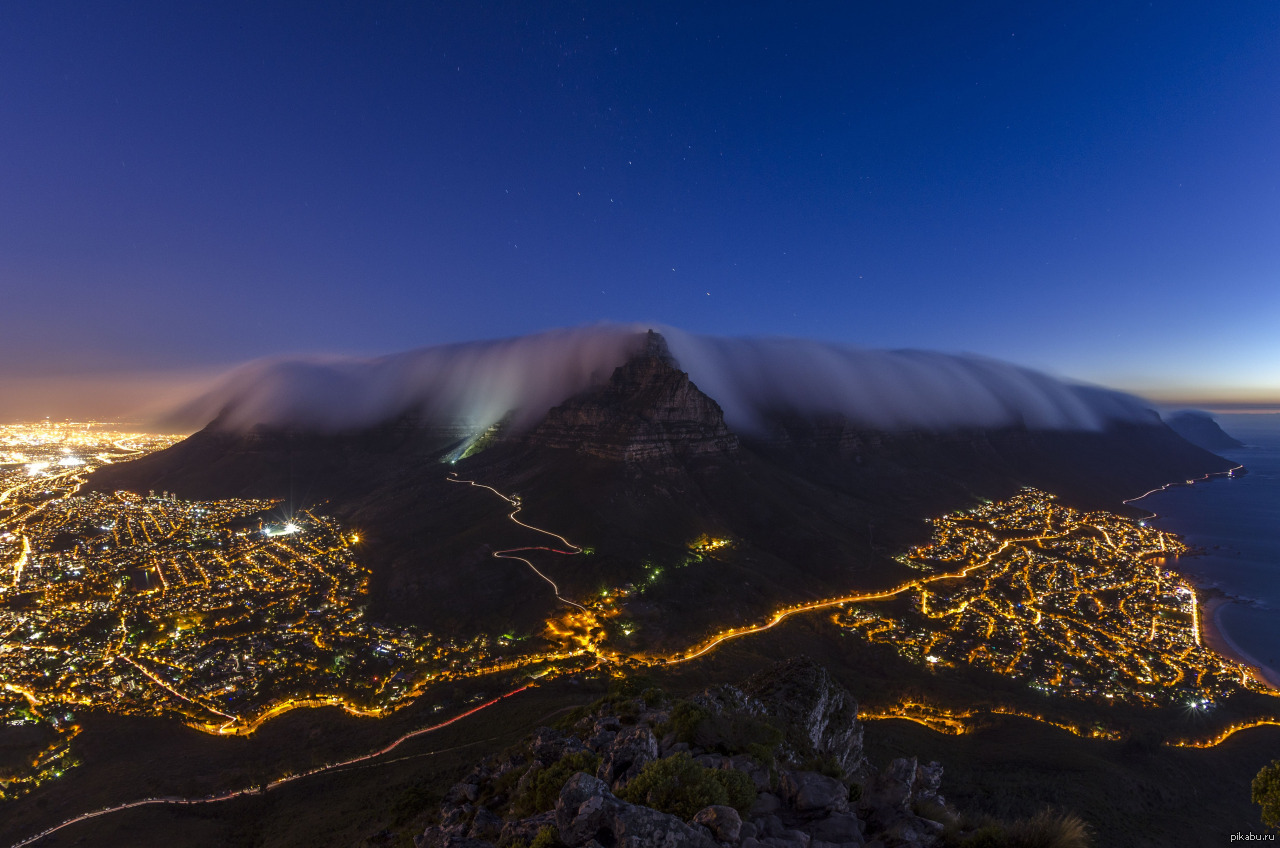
[{"x": 477, "y": 384}]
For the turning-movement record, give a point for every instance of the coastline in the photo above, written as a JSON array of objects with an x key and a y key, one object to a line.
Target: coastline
[{"x": 1214, "y": 636}]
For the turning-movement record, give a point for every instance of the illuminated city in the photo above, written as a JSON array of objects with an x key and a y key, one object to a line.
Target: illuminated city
[
  {"x": 1077, "y": 604},
  {"x": 227, "y": 613},
  {"x": 223, "y": 614}
]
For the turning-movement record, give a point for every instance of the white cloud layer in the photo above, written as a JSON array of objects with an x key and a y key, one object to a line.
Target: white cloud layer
[{"x": 476, "y": 384}]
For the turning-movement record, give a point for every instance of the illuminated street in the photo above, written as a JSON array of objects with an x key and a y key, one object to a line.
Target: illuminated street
[
  {"x": 224, "y": 614},
  {"x": 1077, "y": 604}
]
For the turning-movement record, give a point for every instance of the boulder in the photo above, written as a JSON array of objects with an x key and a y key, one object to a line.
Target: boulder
[
  {"x": 810, "y": 792},
  {"x": 891, "y": 789},
  {"x": 768, "y": 826},
  {"x": 454, "y": 819},
  {"x": 601, "y": 741},
  {"x": 632, "y": 750},
  {"x": 766, "y": 804},
  {"x": 888, "y": 802},
  {"x": 587, "y": 811},
  {"x": 724, "y": 822},
  {"x": 525, "y": 830},
  {"x": 485, "y": 825},
  {"x": 461, "y": 793},
  {"x": 926, "y": 783},
  {"x": 549, "y": 745},
  {"x": 838, "y": 828}
]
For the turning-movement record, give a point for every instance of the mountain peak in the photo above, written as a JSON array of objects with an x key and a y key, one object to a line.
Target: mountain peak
[{"x": 649, "y": 412}]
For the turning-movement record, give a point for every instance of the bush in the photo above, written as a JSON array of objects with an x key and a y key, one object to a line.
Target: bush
[
  {"x": 826, "y": 764},
  {"x": 1266, "y": 794},
  {"x": 684, "y": 721},
  {"x": 1047, "y": 829},
  {"x": 543, "y": 790},
  {"x": 739, "y": 734},
  {"x": 726, "y": 734},
  {"x": 653, "y": 697},
  {"x": 547, "y": 838},
  {"x": 990, "y": 836},
  {"x": 681, "y": 787}
]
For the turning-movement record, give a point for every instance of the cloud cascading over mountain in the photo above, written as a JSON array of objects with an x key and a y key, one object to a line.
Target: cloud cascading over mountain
[{"x": 477, "y": 384}]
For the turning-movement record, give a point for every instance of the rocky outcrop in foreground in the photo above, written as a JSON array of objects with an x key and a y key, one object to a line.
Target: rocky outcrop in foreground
[{"x": 776, "y": 762}]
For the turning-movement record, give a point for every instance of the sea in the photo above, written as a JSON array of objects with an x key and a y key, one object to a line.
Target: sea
[{"x": 1236, "y": 520}]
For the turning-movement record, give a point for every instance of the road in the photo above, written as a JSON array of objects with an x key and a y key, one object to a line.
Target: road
[
  {"x": 510, "y": 553},
  {"x": 261, "y": 790}
]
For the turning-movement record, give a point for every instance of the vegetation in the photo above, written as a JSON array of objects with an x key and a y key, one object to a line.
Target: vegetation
[
  {"x": 1046, "y": 829},
  {"x": 544, "y": 787},
  {"x": 681, "y": 787},
  {"x": 725, "y": 734},
  {"x": 546, "y": 838},
  {"x": 1266, "y": 793}
]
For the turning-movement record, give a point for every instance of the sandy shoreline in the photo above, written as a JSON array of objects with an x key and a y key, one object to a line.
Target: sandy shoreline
[{"x": 1214, "y": 636}]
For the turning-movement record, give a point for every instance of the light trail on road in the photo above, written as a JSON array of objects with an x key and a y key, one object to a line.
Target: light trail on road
[
  {"x": 1226, "y": 734},
  {"x": 509, "y": 553},
  {"x": 275, "y": 784},
  {"x": 782, "y": 615},
  {"x": 1230, "y": 472},
  {"x": 168, "y": 688}
]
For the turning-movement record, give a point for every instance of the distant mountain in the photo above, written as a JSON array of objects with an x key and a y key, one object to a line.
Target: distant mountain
[
  {"x": 637, "y": 467},
  {"x": 1201, "y": 430}
]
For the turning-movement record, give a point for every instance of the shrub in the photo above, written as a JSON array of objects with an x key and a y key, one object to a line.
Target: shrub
[
  {"x": 653, "y": 697},
  {"x": 1266, "y": 793},
  {"x": 547, "y": 838},
  {"x": 543, "y": 789},
  {"x": 726, "y": 734},
  {"x": 932, "y": 810},
  {"x": 738, "y": 734},
  {"x": 989, "y": 836},
  {"x": 681, "y": 787},
  {"x": 1048, "y": 829},
  {"x": 826, "y": 764},
  {"x": 684, "y": 721}
]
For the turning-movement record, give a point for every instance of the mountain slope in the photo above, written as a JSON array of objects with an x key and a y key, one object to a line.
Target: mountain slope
[{"x": 638, "y": 468}]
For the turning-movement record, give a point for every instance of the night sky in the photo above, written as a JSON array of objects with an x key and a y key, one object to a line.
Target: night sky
[{"x": 1092, "y": 189}]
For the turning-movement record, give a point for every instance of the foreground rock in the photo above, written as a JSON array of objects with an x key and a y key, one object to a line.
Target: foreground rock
[
  {"x": 587, "y": 813},
  {"x": 783, "y": 750}
]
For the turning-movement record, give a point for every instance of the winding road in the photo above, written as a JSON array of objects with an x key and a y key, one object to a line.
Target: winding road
[{"x": 509, "y": 553}]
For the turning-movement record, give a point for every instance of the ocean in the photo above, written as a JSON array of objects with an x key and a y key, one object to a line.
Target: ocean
[{"x": 1237, "y": 521}]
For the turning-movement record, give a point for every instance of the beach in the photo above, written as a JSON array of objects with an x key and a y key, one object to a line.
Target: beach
[{"x": 1214, "y": 637}]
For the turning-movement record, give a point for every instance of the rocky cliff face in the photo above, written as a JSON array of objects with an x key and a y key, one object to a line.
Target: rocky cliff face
[{"x": 648, "y": 413}]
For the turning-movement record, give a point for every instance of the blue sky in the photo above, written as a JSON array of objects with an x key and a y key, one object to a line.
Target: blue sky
[{"x": 1091, "y": 188}]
